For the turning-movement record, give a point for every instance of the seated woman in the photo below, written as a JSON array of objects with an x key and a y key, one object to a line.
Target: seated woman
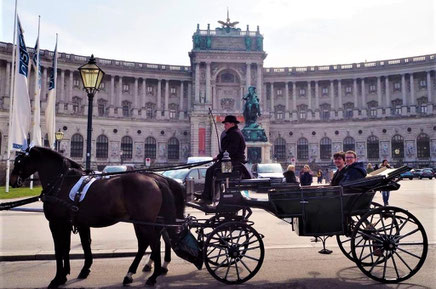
[{"x": 290, "y": 175}]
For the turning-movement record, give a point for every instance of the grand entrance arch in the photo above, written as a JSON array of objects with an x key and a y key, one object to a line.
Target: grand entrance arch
[{"x": 228, "y": 91}]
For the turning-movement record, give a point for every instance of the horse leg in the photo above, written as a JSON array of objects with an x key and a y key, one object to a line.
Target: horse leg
[
  {"x": 58, "y": 232},
  {"x": 85, "y": 239},
  {"x": 167, "y": 257},
  {"x": 155, "y": 255},
  {"x": 142, "y": 246}
]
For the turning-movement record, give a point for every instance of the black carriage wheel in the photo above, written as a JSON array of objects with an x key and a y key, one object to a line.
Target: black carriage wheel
[
  {"x": 233, "y": 252},
  {"x": 395, "y": 239},
  {"x": 344, "y": 241}
]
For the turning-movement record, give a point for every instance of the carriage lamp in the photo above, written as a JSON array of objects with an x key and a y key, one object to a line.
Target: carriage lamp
[
  {"x": 226, "y": 163},
  {"x": 59, "y": 135},
  {"x": 91, "y": 75}
]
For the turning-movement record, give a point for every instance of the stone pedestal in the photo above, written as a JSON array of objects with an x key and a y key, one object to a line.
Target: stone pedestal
[{"x": 253, "y": 150}]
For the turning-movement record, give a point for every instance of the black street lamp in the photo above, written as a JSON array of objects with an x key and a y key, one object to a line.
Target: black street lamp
[
  {"x": 92, "y": 76},
  {"x": 59, "y": 136}
]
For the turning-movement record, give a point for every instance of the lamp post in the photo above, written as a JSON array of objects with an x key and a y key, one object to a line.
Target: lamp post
[
  {"x": 92, "y": 76},
  {"x": 59, "y": 136}
]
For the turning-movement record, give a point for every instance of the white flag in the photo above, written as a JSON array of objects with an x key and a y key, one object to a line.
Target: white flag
[
  {"x": 36, "y": 129},
  {"x": 21, "y": 111},
  {"x": 50, "y": 112}
]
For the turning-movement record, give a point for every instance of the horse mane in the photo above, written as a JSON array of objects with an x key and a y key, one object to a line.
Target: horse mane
[{"x": 55, "y": 154}]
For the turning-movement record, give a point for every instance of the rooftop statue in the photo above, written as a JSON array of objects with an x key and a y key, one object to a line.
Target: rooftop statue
[{"x": 228, "y": 25}]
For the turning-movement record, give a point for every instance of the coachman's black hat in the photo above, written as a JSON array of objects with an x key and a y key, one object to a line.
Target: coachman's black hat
[{"x": 231, "y": 118}]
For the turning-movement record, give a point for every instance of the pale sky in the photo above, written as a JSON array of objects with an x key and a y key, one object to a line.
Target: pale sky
[{"x": 296, "y": 32}]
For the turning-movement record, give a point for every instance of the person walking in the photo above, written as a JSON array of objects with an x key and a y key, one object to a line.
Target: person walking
[
  {"x": 369, "y": 168},
  {"x": 306, "y": 176},
  {"x": 385, "y": 194},
  {"x": 290, "y": 175},
  {"x": 319, "y": 176}
]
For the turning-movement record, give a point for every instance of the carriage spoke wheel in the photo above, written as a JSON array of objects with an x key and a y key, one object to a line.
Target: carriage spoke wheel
[
  {"x": 234, "y": 252},
  {"x": 389, "y": 244},
  {"x": 344, "y": 241}
]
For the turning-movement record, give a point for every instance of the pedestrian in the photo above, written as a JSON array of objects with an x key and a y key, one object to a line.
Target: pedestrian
[
  {"x": 385, "y": 194},
  {"x": 306, "y": 176},
  {"x": 290, "y": 175},
  {"x": 319, "y": 176},
  {"x": 369, "y": 168},
  {"x": 339, "y": 160}
]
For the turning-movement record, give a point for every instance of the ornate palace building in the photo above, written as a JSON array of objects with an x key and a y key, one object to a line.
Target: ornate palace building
[{"x": 382, "y": 109}]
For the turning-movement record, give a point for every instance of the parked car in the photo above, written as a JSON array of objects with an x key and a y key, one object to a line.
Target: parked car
[
  {"x": 192, "y": 160},
  {"x": 407, "y": 175},
  {"x": 273, "y": 171},
  {"x": 417, "y": 173},
  {"x": 426, "y": 173},
  {"x": 196, "y": 174}
]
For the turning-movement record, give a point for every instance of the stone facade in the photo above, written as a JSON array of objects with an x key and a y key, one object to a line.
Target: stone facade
[{"x": 382, "y": 109}]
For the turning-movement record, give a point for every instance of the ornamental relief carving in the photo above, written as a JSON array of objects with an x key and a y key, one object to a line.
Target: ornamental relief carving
[{"x": 227, "y": 103}]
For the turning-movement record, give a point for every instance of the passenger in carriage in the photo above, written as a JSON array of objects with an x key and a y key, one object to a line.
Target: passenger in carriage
[
  {"x": 339, "y": 160},
  {"x": 232, "y": 141},
  {"x": 354, "y": 169},
  {"x": 290, "y": 175}
]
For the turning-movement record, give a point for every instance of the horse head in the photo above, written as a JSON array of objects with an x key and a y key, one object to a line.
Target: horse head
[{"x": 23, "y": 168}]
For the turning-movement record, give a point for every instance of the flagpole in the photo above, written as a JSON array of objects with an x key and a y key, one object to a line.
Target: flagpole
[{"x": 11, "y": 93}]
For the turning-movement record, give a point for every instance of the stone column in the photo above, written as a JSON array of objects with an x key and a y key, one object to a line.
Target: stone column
[
  {"x": 379, "y": 97},
  {"x": 309, "y": 95},
  {"x": 259, "y": 82},
  {"x": 388, "y": 97},
  {"x": 70, "y": 91},
  {"x": 167, "y": 94},
  {"x": 7, "y": 80},
  {"x": 272, "y": 101},
  {"x": 44, "y": 85},
  {"x": 412, "y": 90},
  {"x": 144, "y": 92},
  {"x": 189, "y": 96},
  {"x": 355, "y": 93},
  {"x": 182, "y": 91},
  {"x": 403, "y": 89},
  {"x": 159, "y": 100},
  {"x": 248, "y": 76},
  {"x": 286, "y": 100},
  {"x": 294, "y": 100},
  {"x": 429, "y": 87},
  {"x": 62, "y": 87},
  {"x": 316, "y": 95},
  {"x": 120, "y": 94},
  {"x": 332, "y": 95},
  {"x": 135, "y": 98},
  {"x": 208, "y": 89},
  {"x": 112, "y": 96},
  {"x": 197, "y": 83},
  {"x": 264, "y": 104},
  {"x": 364, "y": 104},
  {"x": 340, "y": 104}
]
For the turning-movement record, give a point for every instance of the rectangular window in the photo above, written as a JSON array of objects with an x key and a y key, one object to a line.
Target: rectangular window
[
  {"x": 422, "y": 108},
  {"x": 422, "y": 83},
  {"x": 279, "y": 115},
  {"x": 76, "y": 83},
  {"x": 149, "y": 112},
  {"x": 373, "y": 112},
  {"x": 173, "y": 90},
  {"x": 101, "y": 110},
  {"x": 126, "y": 111},
  {"x": 172, "y": 114},
  {"x": 348, "y": 113},
  {"x": 397, "y": 85},
  {"x": 372, "y": 88},
  {"x": 302, "y": 92},
  {"x": 125, "y": 88},
  {"x": 102, "y": 86},
  {"x": 302, "y": 114},
  {"x": 348, "y": 89},
  {"x": 279, "y": 92},
  {"x": 325, "y": 115},
  {"x": 398, "y": 110},
  {"x": 149, "y": 88},
  {"x": 325, "y": 90}
]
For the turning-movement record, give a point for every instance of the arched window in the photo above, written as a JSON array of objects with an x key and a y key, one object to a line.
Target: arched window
[
  {"x": 423, "y": 146},
  {"x": 280, "y": 149},
  {"x": 372, "y": 148},
  {"x": 325, "y": 148},
  {"x": 349, "y": 144},
  {"x": 397, "y": 147},
  {"x": 127, "y": 147},
  {"x": 76, "y": 146},
  {"x": 150, "y": 147},
  {"x": 302, "y": 149},
  {"x": 173, "y": 149},
  {"x": 102, "y": 147}
]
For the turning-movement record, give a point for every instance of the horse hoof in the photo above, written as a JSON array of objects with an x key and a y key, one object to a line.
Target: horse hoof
[
  {"x": 84, "y": 274},
  {"x": 147, "y": 268},
  {"x": 56, "y": 282},
  {"x": 163, "y": 271},
  {"x": 150, "y": 283},
  {"x": 127, "y": 280}
]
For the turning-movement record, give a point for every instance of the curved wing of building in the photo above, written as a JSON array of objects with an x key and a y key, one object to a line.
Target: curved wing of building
[{"x": 381, "y": 110}]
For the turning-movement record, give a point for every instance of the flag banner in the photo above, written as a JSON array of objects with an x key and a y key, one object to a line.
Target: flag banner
[
  {"x": 36, "y": 125},
  {"x": 21, "y": 111},
  {"x": 50, "y": 112}
]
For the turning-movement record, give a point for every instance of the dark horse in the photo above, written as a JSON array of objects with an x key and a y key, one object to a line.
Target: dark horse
[{"x": 127, "y": 197}]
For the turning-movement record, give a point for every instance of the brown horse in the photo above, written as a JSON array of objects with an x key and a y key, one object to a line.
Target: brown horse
[{"x": 133, "y": 197}]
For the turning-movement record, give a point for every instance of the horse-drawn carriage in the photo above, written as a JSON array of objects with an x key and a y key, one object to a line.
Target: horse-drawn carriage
[{"x": 388, "y": 244}]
